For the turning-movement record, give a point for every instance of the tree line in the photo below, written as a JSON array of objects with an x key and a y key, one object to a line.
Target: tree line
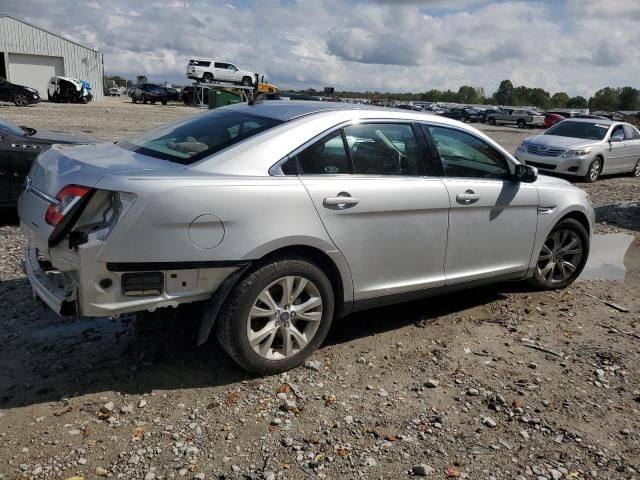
[{"x": 607, "y": 99}]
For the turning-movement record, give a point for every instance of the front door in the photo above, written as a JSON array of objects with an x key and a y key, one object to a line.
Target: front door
[
  {"x": 5, "y": 94},
  {"x": 388, "y": 220},
  {"x": 20, "y": 155},
  {"x": 5, "y": 172},
  {"x": 492, "y": 221}
]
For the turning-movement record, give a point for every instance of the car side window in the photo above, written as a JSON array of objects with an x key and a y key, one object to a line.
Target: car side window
[
  {"x": 325, "y": 157},
  {"x": 618, "y": 131},
  {"x": 464, "y": 155},
  {"x": 629, "y": 133},
  {"x": 383, "y": 149}
]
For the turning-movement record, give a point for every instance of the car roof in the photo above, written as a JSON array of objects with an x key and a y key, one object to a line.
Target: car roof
[{"x": 288, "y": 110}]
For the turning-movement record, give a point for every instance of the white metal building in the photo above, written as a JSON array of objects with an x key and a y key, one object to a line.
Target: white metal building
[{"x": 30, "y": 55}]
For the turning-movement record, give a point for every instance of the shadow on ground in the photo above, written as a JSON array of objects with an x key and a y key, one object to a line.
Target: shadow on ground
[{"x": 46, "y": 358}]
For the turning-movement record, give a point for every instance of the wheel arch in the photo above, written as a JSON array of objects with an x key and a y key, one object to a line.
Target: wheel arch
[
  {"x": 327, "y": 261},
  {"x": 579, "y": 217}
]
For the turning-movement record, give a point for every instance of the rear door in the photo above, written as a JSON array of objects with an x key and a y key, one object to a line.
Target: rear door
[
  {"x": 221, "y": 72},
  {"x": 632, "y": 138},
  {"x": 388, "y": 220},
  {"x": 492, "y": 221}
]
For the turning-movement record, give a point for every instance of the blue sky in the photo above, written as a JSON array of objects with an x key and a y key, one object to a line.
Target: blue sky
[{"x": 576, "y": 46}]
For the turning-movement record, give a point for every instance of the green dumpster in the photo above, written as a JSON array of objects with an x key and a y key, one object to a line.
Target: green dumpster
[{"x": 220, "y": 98}]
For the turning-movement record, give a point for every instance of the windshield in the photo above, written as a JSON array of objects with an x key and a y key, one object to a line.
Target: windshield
[
  {"x": 7, "y": 126},
  {"x": 584, "y": 130},
  {"x": 195, "y": 138}
]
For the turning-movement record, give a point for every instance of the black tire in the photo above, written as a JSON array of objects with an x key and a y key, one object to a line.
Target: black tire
[
  {"x": 492, "y": 121},
  {"x": 231, "y": 324},
  {"x": 164, "y": 102},
  {"x": 464, "y": 119},
  {"x": 133, "y": 100},
  {"x": 144, "y": 99},
  {"x": 522, "y": 124},
  {"x": 594, "y": 170},
  {"x": 20, "y": 100},
  {"x": 246, "y": 81},
  {"x": 207, "y": 77},
  {"x": 153, "y": 102},
  {"x": 576, "y": 228},
  {"x": 636, "y": 170}
]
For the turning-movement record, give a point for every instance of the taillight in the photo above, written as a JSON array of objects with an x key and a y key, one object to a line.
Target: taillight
[{"x": 68, "y": 197}]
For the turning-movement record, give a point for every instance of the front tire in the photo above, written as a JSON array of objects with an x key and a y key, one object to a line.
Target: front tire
[
  {"x": 20, "y": 100},
  {"x": 522, "y": 124},
  {"x": 207, "y": 78},
  {"x": 276, "y": 316},
  {"x": 562, "y": 257},
  {"x": 594, "y": 170},
  {"x": 492, "y": 121},
  {"x": 246, "y": 81},
  {"x": 636, "y": 170}
]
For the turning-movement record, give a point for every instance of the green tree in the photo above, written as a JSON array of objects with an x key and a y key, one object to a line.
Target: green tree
[
  {"x": 577, "y": 102},
  {"x": 605, "y": 99},
  {"x": 504, "y": 94},
  {"x": 560, "y": 100},
  {"x": 628, "y": 99},
  {"x": 467, "y": 94}
]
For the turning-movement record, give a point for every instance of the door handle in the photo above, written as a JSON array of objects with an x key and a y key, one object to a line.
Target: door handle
[
  {"x": 467, "y": 197},
  {"x": 342, "y": 201}
]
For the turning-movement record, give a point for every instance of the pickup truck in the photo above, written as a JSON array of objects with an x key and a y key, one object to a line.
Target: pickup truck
[{"x": 521, "y": 118}]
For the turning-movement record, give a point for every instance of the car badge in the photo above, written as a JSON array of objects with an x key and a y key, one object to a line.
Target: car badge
[{"x": 543, "y": 147}]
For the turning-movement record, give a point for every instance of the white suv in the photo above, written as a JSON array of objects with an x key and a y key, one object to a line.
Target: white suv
[{"x": 208, "y": 70}]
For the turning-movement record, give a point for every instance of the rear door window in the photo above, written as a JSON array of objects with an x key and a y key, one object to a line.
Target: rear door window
[{"x": 189, "y": 140}]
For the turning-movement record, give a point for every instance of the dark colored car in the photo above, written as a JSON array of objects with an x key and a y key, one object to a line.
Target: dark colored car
[
  {"x": 464, "y": 114},
  {"x": 173, "y": 95},
  {"x": 149, "y": 92},
  {"x": 19, "y": 146},
  {"x": 18, "y": 94}
]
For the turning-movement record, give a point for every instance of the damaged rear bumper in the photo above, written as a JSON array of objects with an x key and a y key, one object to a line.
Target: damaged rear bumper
[{"x": 52, "y": 287}]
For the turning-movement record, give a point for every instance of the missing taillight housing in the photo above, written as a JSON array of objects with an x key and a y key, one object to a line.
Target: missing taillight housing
[{"x": 67, "y": 198}]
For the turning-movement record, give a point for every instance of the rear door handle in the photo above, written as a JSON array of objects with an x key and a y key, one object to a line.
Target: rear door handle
[
  {"x": 467, "y": 197},
  {"x": 342, "y": 201}
]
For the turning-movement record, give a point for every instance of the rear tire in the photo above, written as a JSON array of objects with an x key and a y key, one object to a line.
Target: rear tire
[
  {"x": 563, "y": 256},
  {"x": 492, "y": 121},
  {"x": 144, "y": 99},
  {"x": 133, "y": 100},
  {"x": 164, "y": 102},
  {"x": 636, "y": 170},
  {"x": 594, "y": 170},
  {"x": 207, "y": 78},
  {"x": 268, "y": 336}
]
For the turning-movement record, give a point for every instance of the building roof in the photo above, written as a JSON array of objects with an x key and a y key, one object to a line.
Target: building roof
[{"x": 5, "y": 15}]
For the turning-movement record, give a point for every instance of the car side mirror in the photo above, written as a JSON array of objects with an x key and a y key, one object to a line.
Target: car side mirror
[
  {"x": 616, "y": 138},
  {"x": 526, "y": 173}
]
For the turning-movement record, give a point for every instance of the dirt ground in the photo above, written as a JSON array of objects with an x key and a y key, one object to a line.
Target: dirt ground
[{"x": 500, "y": 382}]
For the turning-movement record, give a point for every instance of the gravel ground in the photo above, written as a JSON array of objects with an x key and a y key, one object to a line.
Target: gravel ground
[{"x": 499, "y": 383}]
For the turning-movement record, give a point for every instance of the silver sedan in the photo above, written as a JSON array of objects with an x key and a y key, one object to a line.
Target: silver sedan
[
  {"x": 585, "y": 148},
  {"x": 283, "y": 216}
]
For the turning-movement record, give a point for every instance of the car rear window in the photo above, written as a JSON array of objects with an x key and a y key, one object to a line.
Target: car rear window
[
  {"x": 199, "y": 63},
  {"x": 585, "y": 130},
  {"x": 189, "y": 140}
]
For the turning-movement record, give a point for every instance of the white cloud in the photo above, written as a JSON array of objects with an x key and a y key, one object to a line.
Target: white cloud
[{"x": 407, "y": 45}]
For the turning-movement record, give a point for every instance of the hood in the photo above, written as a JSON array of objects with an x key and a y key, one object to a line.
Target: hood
[
  {"x": 560, "y": 142},
  {"x": 59, "y": 137},
  {"x": 86, "y": 164}
]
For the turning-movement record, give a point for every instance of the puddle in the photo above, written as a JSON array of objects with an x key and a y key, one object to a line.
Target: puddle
[{"x": 606, "y": 258}]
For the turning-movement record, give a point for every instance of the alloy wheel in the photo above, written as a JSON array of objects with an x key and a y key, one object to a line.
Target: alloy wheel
[
  {"x": 284, "y": 317},
  {"x": 594, "y": 170},
  {"x": 560, "y": 257},
  {"x": 636, "y": 170},
  {"x": 21, "y": 100}
]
